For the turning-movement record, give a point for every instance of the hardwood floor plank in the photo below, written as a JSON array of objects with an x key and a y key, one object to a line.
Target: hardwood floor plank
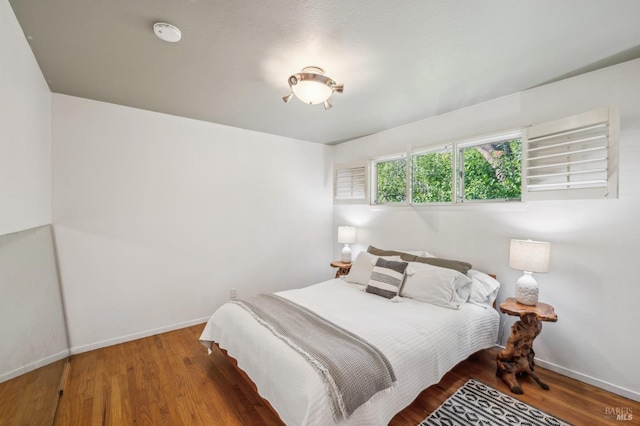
[
  {"x": 169, "y": 379},
  {"x": 31, "y": 397}
]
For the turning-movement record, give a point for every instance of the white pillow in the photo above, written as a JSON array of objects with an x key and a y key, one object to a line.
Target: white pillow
[
  {"x": 361, "y": 268},
  {"x": 438, "y": 286},
  {"x": 484, "y": 288}
]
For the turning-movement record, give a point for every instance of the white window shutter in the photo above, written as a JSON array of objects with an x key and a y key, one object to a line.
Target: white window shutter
[
  {"x": 572, "y": 158},
  {"x": 350, "y": 183}
]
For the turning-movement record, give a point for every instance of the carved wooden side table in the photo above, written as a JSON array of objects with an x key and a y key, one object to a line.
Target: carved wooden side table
[
  {"x": 343, "y": 268},
  {"x": 517, "y": 357}
]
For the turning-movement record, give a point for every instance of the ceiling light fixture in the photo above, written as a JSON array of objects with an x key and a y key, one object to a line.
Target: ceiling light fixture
[
  {"x": 312, "y": 87},
  {"x": 167, "y": 32}
]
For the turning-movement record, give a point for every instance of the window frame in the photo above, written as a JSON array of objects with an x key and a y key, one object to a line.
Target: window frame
[
  {"x": 374, "y": 178},
  {"x": 525, "y": 134},
  {"x": 459, "y": 164},
  {"x": 430, "y": 150},
  {"x": 454, "y": 148}
]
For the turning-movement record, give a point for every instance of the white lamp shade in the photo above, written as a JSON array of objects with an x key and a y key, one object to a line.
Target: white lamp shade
[
  {"x": 346, "y": 234},
  {"x": 530, "y": 256},
  {"x": 312, "y": 92}
]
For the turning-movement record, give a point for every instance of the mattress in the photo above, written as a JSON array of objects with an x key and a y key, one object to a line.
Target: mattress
[{"x": 422, "y": 342}]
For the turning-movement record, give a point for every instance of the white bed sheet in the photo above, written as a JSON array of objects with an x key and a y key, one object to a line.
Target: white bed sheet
[{"x": 422, "y": 342}]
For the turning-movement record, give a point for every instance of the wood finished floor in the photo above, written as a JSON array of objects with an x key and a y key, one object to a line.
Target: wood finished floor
[
  {"x": 30, "y": 399},
  {"x": 169, "y": 379}
]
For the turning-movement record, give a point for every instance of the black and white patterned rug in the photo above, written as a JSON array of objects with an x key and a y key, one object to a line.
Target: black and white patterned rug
[{"x": 478, "y": 404}]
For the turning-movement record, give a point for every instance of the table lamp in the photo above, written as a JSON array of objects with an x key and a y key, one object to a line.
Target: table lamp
[
  {"x": 528, "y": 256},
  {"x": 346, "y": 236}
]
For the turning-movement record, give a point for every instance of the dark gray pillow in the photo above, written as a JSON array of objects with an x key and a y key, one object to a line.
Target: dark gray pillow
[
  {"x": 404, "y": 256},
  {"x": 445, "y": 263},
  {"x": 386, "y": 278}
]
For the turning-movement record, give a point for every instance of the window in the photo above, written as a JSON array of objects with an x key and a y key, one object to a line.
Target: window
[
  {"x": 390, "y": 180},
  {"x": 490, "y": 169},
  {"x": 486, "y": 169},
  {"x": 432, "y": 176},
  {"x": 572, "y": 158},
  {"x": 350, "y": 183}
]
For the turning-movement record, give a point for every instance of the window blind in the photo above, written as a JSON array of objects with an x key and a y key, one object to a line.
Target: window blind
[
  {"x": 350, "y": 183},
  {"x": 572, "y": 154}
]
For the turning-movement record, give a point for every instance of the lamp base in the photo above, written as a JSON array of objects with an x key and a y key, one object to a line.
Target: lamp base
[
  {"x": 527, "y": 290},
  {"x": 346, "y": 254}
]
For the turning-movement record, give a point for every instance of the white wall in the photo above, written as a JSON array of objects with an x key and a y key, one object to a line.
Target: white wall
[
  {"x": 32, "y": 326},
  {"x": 157, "y": 217},
  {"x": 25, "y": 132},
  {"x": 594, "y": 244}
]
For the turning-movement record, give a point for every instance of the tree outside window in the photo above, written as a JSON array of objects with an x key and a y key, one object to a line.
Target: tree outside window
[
  {"x": 391, "y": 181},
  {"x": 485, "y": 171},
  {"x": 432, "y": 177},
  {"x": 491, "y": 171}
]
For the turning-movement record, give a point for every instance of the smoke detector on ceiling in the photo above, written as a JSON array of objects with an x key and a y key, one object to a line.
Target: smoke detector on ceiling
[{"x": 167, "y": 32}]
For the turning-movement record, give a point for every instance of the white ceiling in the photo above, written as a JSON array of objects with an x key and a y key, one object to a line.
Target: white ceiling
[{"x": 400, "y": 61}]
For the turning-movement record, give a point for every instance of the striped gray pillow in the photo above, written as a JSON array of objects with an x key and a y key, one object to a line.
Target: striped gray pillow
[{"x": 386, "y": 278}]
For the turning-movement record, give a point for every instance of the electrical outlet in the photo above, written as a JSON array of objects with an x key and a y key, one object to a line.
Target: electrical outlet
[{"x": 233, "y": 293}]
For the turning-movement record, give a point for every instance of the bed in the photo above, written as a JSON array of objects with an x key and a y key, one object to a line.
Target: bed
[{"x": 421, "y": 341}]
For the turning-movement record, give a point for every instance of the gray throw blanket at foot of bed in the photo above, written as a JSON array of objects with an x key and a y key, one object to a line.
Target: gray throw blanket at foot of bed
[{"x": 352, "y": 369}]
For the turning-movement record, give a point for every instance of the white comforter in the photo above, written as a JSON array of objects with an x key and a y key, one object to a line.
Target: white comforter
[{"x": 422, "y": 342}]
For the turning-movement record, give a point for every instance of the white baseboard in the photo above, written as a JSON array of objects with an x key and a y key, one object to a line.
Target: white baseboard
[
  {"x": 618, "y": 390},
  {"x": 134, "y": 336},
  {"x": 610, "y": 387},
  {"x": 33, "y": 366}
]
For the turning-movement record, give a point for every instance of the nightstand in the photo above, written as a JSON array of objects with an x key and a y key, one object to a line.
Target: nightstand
[
  {"x": 517, "y": 356},
  {"x": 343, "y": 268}
]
